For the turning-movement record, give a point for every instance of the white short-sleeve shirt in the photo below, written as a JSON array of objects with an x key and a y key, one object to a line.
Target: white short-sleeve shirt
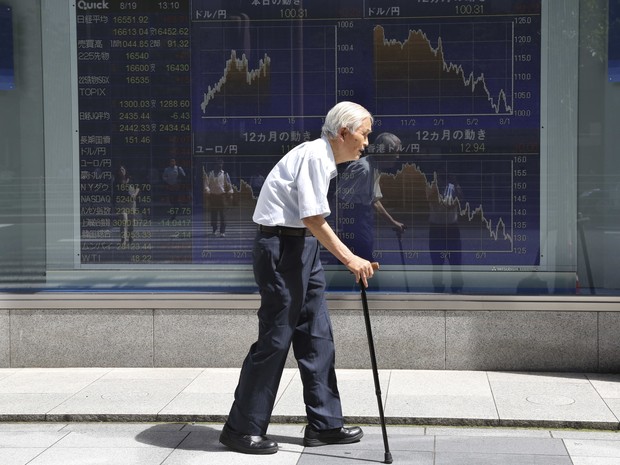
[{"x": 297, "y": 186}]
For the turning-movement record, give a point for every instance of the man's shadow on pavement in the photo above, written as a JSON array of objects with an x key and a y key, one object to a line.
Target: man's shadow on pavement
[
  {"x": 196, "y": 437},
  {"x": 205, "y": 438}
]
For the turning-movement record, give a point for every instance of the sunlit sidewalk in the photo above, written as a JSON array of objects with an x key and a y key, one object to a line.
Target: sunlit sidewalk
[{"x": 410, "y": 397}]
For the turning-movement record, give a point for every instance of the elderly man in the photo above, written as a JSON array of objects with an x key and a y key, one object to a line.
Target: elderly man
[{"x": 290, "y": 214}]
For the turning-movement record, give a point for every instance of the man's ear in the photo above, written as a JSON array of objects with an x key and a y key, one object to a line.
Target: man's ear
[{"x": 343, "y": 131}]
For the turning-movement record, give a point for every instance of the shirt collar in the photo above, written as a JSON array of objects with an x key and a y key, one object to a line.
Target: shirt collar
[{"x": 333, "y": 171}]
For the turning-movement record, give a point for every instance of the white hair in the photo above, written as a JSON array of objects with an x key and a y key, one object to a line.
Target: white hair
[{"x": 348, "y": 115}]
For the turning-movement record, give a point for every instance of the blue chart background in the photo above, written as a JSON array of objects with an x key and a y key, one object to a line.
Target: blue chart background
[
  {"x": 614, "y": 41},
  {"x": 246, "y": 82},
  {"x": 7, "y": 71},
  {"x": 316, "y": 63}
]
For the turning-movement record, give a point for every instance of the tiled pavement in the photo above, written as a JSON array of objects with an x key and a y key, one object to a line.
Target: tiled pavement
[{"x": 167, "y": 416}]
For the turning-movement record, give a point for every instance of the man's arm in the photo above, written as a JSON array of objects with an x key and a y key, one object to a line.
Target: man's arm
[
  {"x": 362, "y": 269},
  {"x": 396, "y": 225}
]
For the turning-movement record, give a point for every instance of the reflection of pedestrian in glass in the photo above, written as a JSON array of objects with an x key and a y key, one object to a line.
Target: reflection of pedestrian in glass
[
  {"x": 125, "y": 203},
  {"x": 359, "y": 197},
  {"x": 445, "y": 196},
  {"x": 219, "y": 191},
  {"x": 173, "y": 177}
]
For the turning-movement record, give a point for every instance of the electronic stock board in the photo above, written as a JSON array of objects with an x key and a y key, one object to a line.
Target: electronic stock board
[{"x": 458, "y": 83}]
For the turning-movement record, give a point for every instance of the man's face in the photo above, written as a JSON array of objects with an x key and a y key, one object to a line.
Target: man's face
[{"x": 356, "y": 142}]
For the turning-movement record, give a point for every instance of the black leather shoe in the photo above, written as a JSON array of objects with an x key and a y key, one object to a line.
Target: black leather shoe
[
  {"x": 246, "y": 443},
  {"x": 313, "y": 438}
]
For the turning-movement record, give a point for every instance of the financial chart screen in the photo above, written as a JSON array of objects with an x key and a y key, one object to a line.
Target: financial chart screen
[
  {"x": 226, "y": 88},
  {"x": 7, "y": 70}
]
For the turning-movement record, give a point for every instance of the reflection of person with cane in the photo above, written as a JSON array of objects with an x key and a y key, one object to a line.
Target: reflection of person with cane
[
  {"x": 290, "y": 213},
  {"x": 359, "y": 192}
]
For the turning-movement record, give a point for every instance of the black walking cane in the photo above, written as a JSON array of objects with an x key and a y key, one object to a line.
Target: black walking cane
[
  {"x": 399, "y": 235},
  {"x": 375, "y": 371}
]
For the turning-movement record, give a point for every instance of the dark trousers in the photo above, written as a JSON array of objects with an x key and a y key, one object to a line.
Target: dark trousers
[
  {"x": 218, "y": 212},
  {"x": 293, "y": 309}
]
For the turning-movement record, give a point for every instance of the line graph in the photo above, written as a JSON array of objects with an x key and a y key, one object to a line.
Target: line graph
[
  {"x": 453, "y": 208},
  {"x": 271, "y": 72},
  {"x": 241, "y": 83},
  {"x": 468, "y": 71},
  {"x": 463, "y": 210},
  {"x": 461, "y": 92},
  {"x": 479, "y": 200}
]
